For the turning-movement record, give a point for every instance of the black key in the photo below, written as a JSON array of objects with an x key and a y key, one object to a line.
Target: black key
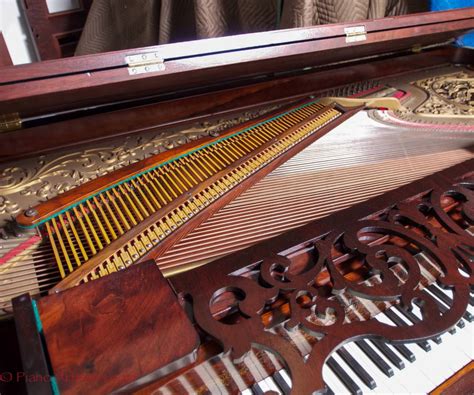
[
  {"x": 468, "y": 316},
  {"x": 399, "y": 322},
  {"x": 281, "y": 383},
  {"x": 365, "y": 377},
  {"x": 471, "y": 300},
  {"x": 405, "y": 351},
  {"x": 343, "y": 376},
  {"x": 440, "y": 294},
  {"x": 444, "y": 309},
  {"x": 375, "y": 358},
  {"x": 257, "y": 390},
  {"x": 389, "y": 354},
  {"x": 415, "y": 320}
]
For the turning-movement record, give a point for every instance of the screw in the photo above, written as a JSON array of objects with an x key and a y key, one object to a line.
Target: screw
[{"x": 31, "y": 212}]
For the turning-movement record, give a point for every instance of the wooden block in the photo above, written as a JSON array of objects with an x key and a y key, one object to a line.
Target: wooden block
[{"x": 117, "y": 332}]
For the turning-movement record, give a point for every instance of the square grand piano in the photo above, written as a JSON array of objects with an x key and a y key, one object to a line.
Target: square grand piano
[{"x": 183, "y": 154}]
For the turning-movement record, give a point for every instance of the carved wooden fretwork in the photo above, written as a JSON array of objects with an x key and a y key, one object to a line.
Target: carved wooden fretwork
[{"x": 374, "y": 252}]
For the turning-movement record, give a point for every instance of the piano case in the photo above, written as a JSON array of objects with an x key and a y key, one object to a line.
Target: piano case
[
  {"x": 61, "y": 103},
  {"x": 58, "y": 103}
]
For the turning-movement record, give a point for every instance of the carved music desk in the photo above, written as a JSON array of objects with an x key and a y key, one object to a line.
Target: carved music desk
[{"x": 125, "y": 172}]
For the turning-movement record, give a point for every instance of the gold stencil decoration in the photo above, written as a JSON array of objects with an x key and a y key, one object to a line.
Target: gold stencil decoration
[
  {"x": 448, "y": 95},
  {"x": 27, "y": 182}
]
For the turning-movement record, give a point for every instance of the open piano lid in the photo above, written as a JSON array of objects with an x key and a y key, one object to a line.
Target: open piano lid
[{"x": 211, "y": 64}]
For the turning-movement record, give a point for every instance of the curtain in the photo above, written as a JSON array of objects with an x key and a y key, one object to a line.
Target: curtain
[{"x": 121, "y": 24}]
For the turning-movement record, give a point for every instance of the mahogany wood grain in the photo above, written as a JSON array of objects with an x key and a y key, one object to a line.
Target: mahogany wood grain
[
  {"x": 115, "y": 59},
  {"x": 212, "y": 105},
  {"x": 283, "y": 52},
  {"x": 116, "y": 333},
  {"x": 5, "y": 58}
]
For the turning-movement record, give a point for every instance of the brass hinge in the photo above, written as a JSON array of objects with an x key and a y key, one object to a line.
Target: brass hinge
[
  {"x": 147, "y": 62},
  {"x": 355, "y": 34},
  {"x": 9, "y": 122}
]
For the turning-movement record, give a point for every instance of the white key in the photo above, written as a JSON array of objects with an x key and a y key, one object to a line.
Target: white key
[
  {"x": 419, "y": 383},
  {"x": 466, "y": 338},
  {"x": 429, "y": 363},
  {"x": 285, "y": 376},
  {"x": 452, "y": 351}
]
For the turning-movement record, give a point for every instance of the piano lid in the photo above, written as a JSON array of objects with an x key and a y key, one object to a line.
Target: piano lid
[{"x": 213, "y": 64}]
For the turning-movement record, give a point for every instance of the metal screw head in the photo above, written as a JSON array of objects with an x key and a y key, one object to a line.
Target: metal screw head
[{"x": 31, "y": 212}]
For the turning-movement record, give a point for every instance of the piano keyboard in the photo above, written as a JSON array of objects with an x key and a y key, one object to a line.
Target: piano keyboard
[
  {"x": 365, "y": 366},
  {"x": 359, "y": 367}
]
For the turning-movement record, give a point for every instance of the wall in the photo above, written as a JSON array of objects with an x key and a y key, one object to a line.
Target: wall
[{"x": 14, "y": 27}]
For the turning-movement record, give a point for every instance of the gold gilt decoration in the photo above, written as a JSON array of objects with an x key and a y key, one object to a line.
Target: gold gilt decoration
[
  {"x": 449, "y": 95},
  {"x": 25, "y": 183},
  {"x": 444, "y": 98}
]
